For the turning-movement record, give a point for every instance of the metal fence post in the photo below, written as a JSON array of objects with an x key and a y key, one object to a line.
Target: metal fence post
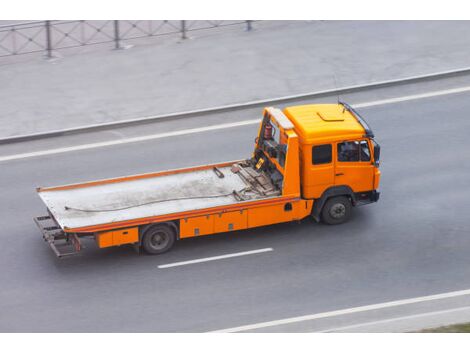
[
  {"x": 183, "y": 30},
  {"x": 48, "y": 40},
  {"x": 248, "y": 25},
  {"x": 116, "y": 35}
]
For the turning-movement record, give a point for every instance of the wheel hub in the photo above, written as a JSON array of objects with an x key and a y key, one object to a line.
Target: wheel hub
[
  {"x": 158, "y": 240},
  {"x": 338, "y": 210}
]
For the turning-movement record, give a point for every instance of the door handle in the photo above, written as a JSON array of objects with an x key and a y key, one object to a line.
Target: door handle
[{"x": 340, "y": 174}]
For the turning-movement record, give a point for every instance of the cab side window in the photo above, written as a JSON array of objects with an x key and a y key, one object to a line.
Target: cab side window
[
  {"x": 321, "y": 154},
  {"x": 353, "y": 151},
  {"x": 348, "y": 151}
]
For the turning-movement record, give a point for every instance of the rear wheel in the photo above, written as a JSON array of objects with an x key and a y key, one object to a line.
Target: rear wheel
[
  {"x": 336, "y": 210},
  {"x": 158, "y": 239}
]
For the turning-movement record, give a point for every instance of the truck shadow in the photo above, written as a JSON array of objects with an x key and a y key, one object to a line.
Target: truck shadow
[{"x": 125, "y": 258}]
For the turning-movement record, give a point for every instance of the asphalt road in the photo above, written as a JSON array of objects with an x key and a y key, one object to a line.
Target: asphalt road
[{"x": 414, "y": 242}]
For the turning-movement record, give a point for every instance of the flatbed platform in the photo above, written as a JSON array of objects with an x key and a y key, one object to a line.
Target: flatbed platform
[{"x": 110, "y": 201}]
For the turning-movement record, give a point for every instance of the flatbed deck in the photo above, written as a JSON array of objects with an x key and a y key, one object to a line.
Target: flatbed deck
[{"x": 111, "y": 201}]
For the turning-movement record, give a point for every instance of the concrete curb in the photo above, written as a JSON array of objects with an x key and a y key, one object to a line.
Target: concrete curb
[{"x": 235, "y": 107}]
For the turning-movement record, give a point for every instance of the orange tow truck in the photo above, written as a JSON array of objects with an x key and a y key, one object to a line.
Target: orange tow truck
[{"x": 315, "y": 161}]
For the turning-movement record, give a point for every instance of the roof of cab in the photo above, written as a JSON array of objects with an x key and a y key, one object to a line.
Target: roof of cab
[{"x": 317, "y": 122}]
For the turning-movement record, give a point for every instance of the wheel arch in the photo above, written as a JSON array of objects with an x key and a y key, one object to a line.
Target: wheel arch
[{"x": 328, "y": 193}]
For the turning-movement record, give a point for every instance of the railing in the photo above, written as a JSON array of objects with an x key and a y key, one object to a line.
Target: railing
[{"x": 48, "y": 36}]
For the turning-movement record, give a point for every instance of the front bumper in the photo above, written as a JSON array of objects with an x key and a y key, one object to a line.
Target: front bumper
[{"x": 363, "y": 198}]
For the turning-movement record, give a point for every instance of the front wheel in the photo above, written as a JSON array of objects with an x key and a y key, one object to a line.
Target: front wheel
[
  {"x": 158, "y": 239},
  {"x": 336, "y": 210}
]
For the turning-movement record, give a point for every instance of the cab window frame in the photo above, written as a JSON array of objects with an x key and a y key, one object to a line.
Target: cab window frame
[
  {"x": 338, "y": 153},
  {"x": 324, "y": 159},
  {"x": 359, "y": 142}
]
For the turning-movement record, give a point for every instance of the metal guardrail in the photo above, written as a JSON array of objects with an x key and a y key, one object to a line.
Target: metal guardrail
[{"x": 48, "y": 36}]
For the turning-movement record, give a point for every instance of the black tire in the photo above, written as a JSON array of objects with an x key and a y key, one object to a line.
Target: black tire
[
  {"x": 158, "y": 239},
  {"x": 336, "y": 210}
]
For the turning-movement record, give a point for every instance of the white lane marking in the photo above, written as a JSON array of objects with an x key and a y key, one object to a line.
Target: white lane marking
[
  {"x": 385, "y": 321},
  {"x": 347, "y": 311},
  {"x": 209, "y": 259},
  {"x": 214, "y": 127},
  {"x": 130, "y": 140},
  {"x": 412, "y": 97}
]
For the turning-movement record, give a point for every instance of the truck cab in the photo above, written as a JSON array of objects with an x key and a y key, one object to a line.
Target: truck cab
[{"x": 322, "y": 152}]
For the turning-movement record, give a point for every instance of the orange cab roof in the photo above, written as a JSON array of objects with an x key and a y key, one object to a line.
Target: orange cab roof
[{"x": 318, "y": 122}]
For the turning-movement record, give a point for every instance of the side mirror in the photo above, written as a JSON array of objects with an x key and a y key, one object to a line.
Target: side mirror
[{"x": 377, "y": 154}]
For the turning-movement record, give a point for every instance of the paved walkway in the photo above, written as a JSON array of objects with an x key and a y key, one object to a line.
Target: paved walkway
[{"x": 220, "y": 67}]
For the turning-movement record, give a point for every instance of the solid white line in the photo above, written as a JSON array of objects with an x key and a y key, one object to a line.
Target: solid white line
[
  {"x": 214, "y": 127},
  {"x": 130, "y": 140},
  {"x": 413, "y": 97},
  {"x": 209, "y": 259},
  {"x": 385, "y": 321},
  {"x": 347, "y": 311}
]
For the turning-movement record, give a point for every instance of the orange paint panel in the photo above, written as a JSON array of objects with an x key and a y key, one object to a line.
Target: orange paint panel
[
  {"x": 376, "y": 178},
  {"x": 273, "y": 214},
  {"x": 357, "y": 175},
  {"x": 197, "y": 226},
  {"x": 230, "y": 221},
  {"x": 124, "y": 236},
  {"x": 117, "y": 237},
  {"x": 316, "y": 178},
  {"x": 304, "y": 208},
  {"x": 104, "y": 239},
  {"x": 291, "y": 170},
  {"x": 319, "y": 123}
]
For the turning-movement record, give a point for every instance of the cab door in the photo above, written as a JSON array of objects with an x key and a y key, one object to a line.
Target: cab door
[
  {"x": 318, "y": 171},
  {"x": 354, "y": 167}
]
